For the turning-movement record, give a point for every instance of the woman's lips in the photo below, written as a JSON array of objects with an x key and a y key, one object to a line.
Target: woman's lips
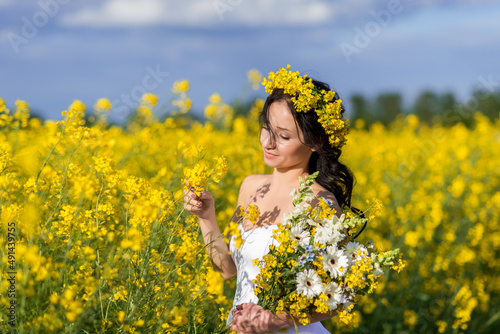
[{"x": 269, "y": 155}]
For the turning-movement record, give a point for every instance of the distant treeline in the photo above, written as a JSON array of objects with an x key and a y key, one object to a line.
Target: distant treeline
[{"x": 429, "y": 106}]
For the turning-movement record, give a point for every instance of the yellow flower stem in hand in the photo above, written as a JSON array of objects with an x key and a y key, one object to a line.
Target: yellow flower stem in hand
[{"x": 198, "y": 177}]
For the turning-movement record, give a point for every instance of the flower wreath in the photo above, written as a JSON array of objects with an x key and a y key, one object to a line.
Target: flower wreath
[{"x": 306, "y": 96}]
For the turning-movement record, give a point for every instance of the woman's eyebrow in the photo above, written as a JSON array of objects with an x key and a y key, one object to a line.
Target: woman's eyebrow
[{"x": 284, "y": 129}]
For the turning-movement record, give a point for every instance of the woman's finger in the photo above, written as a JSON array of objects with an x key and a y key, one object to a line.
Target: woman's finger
[
  {"x": 194, "y": 203},
  {"x": 188, "y": 205},
  {"x": 193, "y": 206}
]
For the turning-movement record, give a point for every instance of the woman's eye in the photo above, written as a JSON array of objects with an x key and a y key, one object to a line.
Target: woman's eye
[{"x": 285, "y": 138}]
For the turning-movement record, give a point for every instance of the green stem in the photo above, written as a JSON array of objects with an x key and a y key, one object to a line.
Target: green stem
[
  {"x": 61, "y": 188},
  {"x": 98, "y": 258},
  {"x": 50, "y": 153}
]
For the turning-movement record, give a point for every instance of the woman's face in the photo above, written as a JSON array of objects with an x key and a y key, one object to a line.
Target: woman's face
[{"x": 285, "y": 148}]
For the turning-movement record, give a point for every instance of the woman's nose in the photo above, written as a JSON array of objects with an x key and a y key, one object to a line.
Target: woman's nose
[{"x": 268, "y": 140}]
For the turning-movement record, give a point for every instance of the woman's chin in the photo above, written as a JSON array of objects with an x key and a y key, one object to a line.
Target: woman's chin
[{"x": 270, "y": 163}]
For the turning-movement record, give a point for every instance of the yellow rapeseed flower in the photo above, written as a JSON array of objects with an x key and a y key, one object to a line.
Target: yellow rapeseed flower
[
  {"x": 121, "y": 316},
  {"x": 181, "y": 86},
  {"x": 252, "y": 213},
  {"x": 410, "y": 318},
  {"x": 103, "y": 105},
  {"x": 233, "y": 230},
  {"x": 220, "y": 168},
  {"x": 215, "y": 283}
]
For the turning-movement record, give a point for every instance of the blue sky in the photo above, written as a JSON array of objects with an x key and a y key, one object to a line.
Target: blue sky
[{"x": 55, "y": 51}]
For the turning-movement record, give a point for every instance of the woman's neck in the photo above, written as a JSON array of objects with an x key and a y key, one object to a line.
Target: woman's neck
[{"x": 287, "y": 179}]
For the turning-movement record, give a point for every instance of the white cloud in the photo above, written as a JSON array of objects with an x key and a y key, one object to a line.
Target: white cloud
[
  {"x": 200, "y": 13},
  {"x": 117, "y": 13}
]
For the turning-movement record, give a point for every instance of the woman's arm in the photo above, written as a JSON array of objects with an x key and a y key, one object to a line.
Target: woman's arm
[{"x": 203, "y": 207}]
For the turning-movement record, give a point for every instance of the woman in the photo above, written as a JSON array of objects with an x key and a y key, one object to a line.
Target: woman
[{"x": 302, "y": 132}]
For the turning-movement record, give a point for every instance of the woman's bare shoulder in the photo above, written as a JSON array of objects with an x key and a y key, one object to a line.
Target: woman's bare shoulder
[
  {"x": 254, "y": 181},
  {"x": 251, "y": 183},
  {"x": 320, "y": 191}
]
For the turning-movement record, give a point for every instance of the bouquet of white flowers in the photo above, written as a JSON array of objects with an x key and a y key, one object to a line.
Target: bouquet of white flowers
[{"x": 314, "y": 265}]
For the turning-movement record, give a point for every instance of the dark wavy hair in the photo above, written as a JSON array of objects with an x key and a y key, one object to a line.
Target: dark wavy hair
[{"x": 333, "y": 175}]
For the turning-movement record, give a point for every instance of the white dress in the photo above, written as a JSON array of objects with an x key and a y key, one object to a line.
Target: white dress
[{"x": 255, "y": 245}]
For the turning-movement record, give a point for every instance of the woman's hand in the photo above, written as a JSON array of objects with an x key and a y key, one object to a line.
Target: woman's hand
[
  {"x": 250, "y": 318},
  {"x": 201, "y": 206}
]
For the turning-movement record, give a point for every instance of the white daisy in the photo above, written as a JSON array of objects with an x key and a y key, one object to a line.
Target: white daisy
[
  {"x": 329, "y": 233},
  {"x": 321, "y": 223},
  {"x": 338, "y": 232},
  {"x": 355, "y": 251},
  {"x": 302, "y": 223},
  {"x": 301, "y": 236},
  {"x": 335, "y": 262},
  {"x": 334, "y": 293},
  {"x": 312, "y": 222},
  {"x": 309, "y": 283},
  {"x": 323, "y": 235}
]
